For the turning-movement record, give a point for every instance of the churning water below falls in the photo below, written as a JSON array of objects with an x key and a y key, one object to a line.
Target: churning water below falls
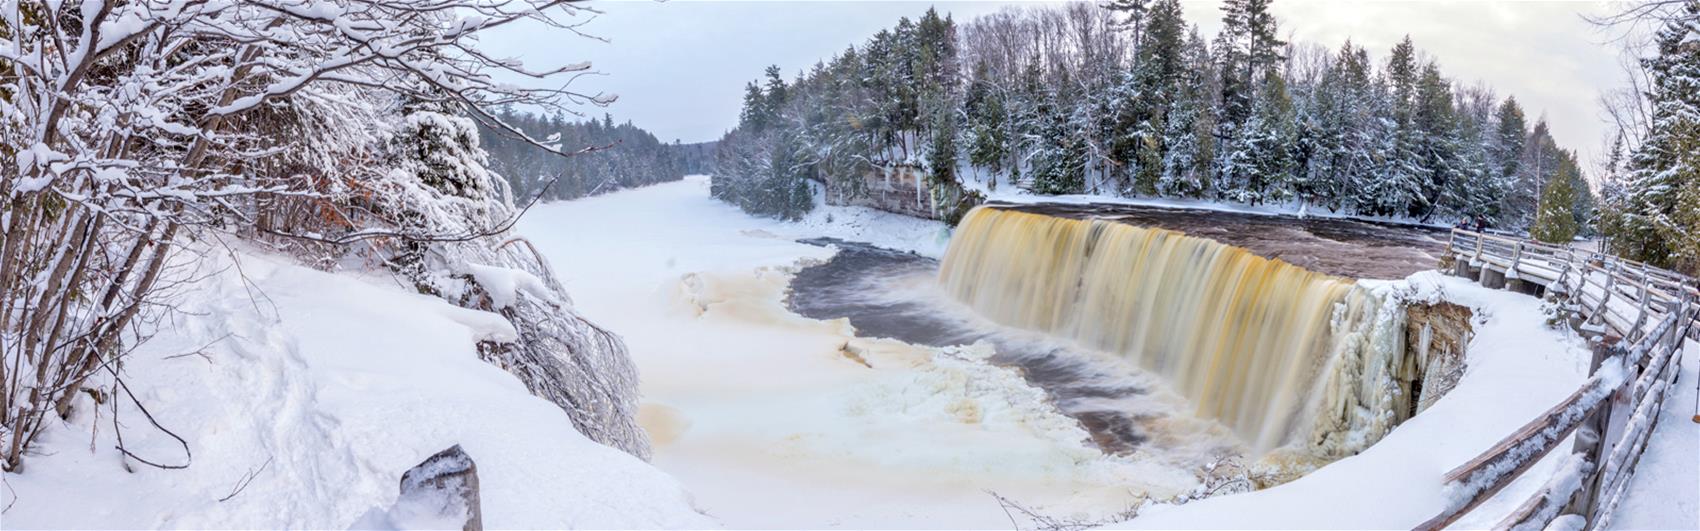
[{"x": 1168, "y": 346}]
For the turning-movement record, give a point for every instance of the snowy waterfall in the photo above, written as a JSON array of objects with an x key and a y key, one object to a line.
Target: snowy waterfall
[{"x": 1282, "y": 355}]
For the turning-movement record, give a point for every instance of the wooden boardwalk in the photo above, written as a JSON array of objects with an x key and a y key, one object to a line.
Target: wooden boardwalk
[{"x": 1637, "y": 317}]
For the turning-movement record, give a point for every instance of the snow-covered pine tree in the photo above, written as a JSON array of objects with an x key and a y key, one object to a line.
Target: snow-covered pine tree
[
  {"x": 1058, "y": 156},
  {"x": 1146, "y": 96},
  {"x": 1664, "y": 169},
  {"x": 1554, "y": 220},
  {"x": 1506, "y": 155},
  {"x": 1397, "y": 188},
  {"x": 1477, "y": 191},
  {"x": 1260, "y": 166},
  {"x": 1187, "y": 133},
  {"x": 1438, "y": 144},
  {"x": 988, "y": 144}
]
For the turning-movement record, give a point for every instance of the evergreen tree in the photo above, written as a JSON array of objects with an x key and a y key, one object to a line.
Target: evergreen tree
[
  {"x": 1187, "y": 164},
  {"x": 1664, "y": 169},
  {"x": 1438, "y": 145},
  {"x": 1507, "y": 151},
  {"x": 1247, "y": 49},
  {"x": 989, "y": 140},
  {"x": 754, "y": 116},
  {"x": 1554, "y": 220}
]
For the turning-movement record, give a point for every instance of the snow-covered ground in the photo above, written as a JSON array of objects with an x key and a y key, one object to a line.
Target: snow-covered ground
[{"x": 323, "y": 388}]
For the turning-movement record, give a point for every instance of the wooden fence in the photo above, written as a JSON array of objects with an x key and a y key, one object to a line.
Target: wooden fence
[{"x": 1638, "y": 317}]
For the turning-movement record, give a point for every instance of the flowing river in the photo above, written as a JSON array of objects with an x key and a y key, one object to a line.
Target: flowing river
[{"x": 1247, "y": 340}]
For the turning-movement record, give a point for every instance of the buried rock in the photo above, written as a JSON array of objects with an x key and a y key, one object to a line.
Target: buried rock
[{"x": 439, "y": 493}]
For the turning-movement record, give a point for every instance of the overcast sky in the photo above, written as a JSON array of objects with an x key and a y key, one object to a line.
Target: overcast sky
[{"x": 680, "y": 67}]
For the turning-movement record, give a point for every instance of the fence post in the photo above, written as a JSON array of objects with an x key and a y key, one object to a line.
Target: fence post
[
  {"x": 1516, "y": 258},
  {"x": 1635, "y": 332},
  {"x": 1591, "y": 436},
  {"x": 1563, "y": 281},
  {"x": 1479, "y": 239},
  {"x": 1599, "y": 316}
]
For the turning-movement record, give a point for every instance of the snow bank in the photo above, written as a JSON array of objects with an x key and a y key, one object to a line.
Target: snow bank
[
  {"x": 324, "y": 389},
  {"x": 883, "y": 229},
  {"x": 1516, "y": 369}
]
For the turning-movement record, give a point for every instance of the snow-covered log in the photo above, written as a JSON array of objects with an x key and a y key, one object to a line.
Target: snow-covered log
[{"x": 1614, "y": 479}]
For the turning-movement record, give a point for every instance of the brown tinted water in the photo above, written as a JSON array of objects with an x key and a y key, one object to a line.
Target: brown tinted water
[{"x": 896, "y": 295}]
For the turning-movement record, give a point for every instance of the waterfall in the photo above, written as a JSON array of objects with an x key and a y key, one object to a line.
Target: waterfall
[{"x": 1252, "y": 342}]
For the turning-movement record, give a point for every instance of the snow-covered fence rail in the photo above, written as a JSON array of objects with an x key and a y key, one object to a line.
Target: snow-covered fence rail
[
  {"x": 1614, "y": 412},
  {"x": 1612, "y": 294}
]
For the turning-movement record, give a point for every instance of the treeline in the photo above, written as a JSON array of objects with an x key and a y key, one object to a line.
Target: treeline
[
  {"x": 623, "y": 156},
  {"x": 697, "y": 158},
  {"x": 1651, "y": 189},
  {"x": 892, "y": 103},
  {"x": 1128, "y": 100}
]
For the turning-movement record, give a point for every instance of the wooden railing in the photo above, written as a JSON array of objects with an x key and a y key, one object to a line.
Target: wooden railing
[
  {"x": 1616, "y": 295},
  {"x": 1617, "y": 302}
]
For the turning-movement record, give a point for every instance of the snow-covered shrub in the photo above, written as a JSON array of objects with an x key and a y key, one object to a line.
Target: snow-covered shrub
[{"x": 437, "y": 184}]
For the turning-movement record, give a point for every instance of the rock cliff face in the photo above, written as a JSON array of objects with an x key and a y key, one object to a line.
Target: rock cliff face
[
  {"x": 1436, "y": 335},
  {"x": 903, "y": 189}
]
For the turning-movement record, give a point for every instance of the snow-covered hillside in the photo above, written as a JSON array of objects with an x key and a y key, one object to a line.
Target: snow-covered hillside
[{"x": 323, "y": 388}]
